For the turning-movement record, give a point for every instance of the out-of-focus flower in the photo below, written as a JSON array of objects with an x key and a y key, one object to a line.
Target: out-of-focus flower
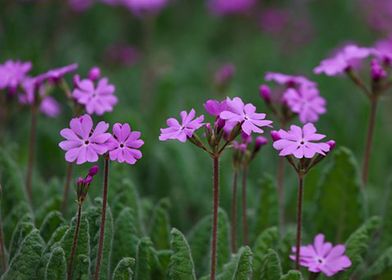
[
  {"x": 378, "y": 14},
  {"x": 288, "y": 80},
  {"x": 82, "y": 142},
  {"x": 215, "y": 107},
  {"x": 377, "y": 72},
  {"x": 124, "y": 144},
  {"x": 224, "y": 75},
  {"x": 228, "y": 7},
  {"x": 97, "y": 99},
  {"x": 80, "y": 5},
  {"x": 141, "y": 7},
  {"x": 306, "y": 102},
  {"x": 300, "y": 142},
  {"x": 175, "y": 130},
  {"x": 323, "y": 257},
  {"x": 345, "y": 59},
  {"x": 383, "y": 50},
  {"x": 94, "y": 73},
  {"x": 56, "y": 74},
  {"x": 50, "y": 107},
  {"x": 122, "y": 54},
  {"x": 13, "y": 73},
  {"x": 245, "y": 114}
]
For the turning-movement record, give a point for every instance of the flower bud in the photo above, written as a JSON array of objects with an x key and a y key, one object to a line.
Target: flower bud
[
  {"x": 260, "y": 141},
  {"x": 275, "y": 135},
  {"x": 377, "y": 71},
  {"x": 331, "y": 144},
  {"x": 265, "y": 93},
  {"x": 94, "y": 73},
  {"x": 76, "y": 80},
  {"x": 93, "y": 170}
]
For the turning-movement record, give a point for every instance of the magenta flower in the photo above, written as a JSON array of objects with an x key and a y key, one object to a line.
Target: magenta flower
[
  {"x": 237, "y": 112},
  {"x": 124, "y": 144},
  {"x": 215, "y": 107},
  {"x": 306, "y": 102},
  {"x": 227, "y": 7},
  {"x": 322, "y": 257},
  {"x": 97, "y": 99},
  {"x": 346, "y": 58},
  {"x": 50, "y": 107},
  {"x": 84, "y": 143},
  {"x": 383, "y": 50},
  {"x": 175, "y": 130},
  {"x": 300, "y": 142},
  {"x": 12, "y": 74},
  {"x": 288, "y": 80},
  {"x": 56, "y": 74},
  {"x": 377, "y": 72},
  {"x": 140, "y": 7}
]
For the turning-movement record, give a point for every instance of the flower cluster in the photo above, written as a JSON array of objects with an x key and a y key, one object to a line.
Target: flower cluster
[
  {"x": 247, "y": 149},
  {"x": 95, "y": 93},
  {"x": 84, "y": 143},
  {"x": 13, "y": 73},
  {"x": 323, "y": 257},
  {"x": 83, "y": 184},
  {"x": 298, "y": 95}
]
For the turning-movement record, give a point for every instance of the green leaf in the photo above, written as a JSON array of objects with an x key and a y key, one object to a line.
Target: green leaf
[
  {"x": 57, "y": 265},
  {"x": 199, "y": 241},
  {"x": 21, "y": 231},
  {"x": 386, "y": 226},
  {"x": 270, "y": 268},
  {"x": 83, "y": 247},
  {"x": 340, "y": 201},
  {"x": 357, "y": 245},
  {"x": 82, "y": 268},
  {"x": 25, "y": 263},
  {"x": 123, "y": 270},
  {"x": 125, "y": 236},
  {"x": 163, "y": 259},
  {"x": 144, "y": 259},
  {"x": 181, "y": 265},
  {"x": 292, "y": 275},
  {"x": 284, "y": 248},
  {"x": 52, "y": 221},
  {"x": 239, "y": 267},
  {"x": 19, "y": 212},
  {"x": 160, "y": 226},
  {"x": 51, "y": 204},
  {"x": 381, "y": 268},
  {"x": 267, "y": 213},
  {"x": 266, "y": 240}
]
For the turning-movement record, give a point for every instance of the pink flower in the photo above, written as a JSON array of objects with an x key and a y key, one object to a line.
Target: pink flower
[
  {"x": 12, "y": 74},
  {"x": 346, "y": 58},
  {"x": 322, "y": 257},
  {"x": 383, "y": 50},
  {"x": 306, "y": 102},
  {"x": 175, "y": 130},
  {"x": 50, "y": 107},
  {"x": 140, "y": 7},
  {"x": 227, "y": 7},
  {"x": 215, "y": 107},
  {"x": 237, "y": 112},
  {"x": 83, "y": 143},
  {"x": 124, "y": 144},
  {"x": 56, "y": 74},
  {"x": 377, "y": 72},
  {"x": 97, "y": 99},
  {"x": 300, "y": 142},
  {"x": 288, "y": 80}
]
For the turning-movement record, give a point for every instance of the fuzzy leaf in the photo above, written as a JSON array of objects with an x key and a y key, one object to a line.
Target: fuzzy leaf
[
  {"x": 82, "y": 268},
  {"x": 386, "y": 226},
  {"x": 125, "y": 236},
  {"x": 123, "y": 270},
  {"x": 160, "y": 226},
  {"x": 52, "y": 221},
  {"x": 181, "y": 265},
  {"x": 266, "y": 240},
  {"x": 25, "y": 263},
  {"x": 270, "y": 268},
  {"x": 52, "y": 204},
  {"x": 144, "y": 259},
  {"x": 340, "y": 202},
  {"x": 20, "y": 212},
  {"x": 57, "y": 265},
  {"x": 83, "y": 247},
  {"x": 267, "y": 213},
  {"x": 22, "y": 230},
  {"x": 292, "y": 275}
]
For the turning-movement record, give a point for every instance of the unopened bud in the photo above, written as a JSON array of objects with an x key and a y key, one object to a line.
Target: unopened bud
[
  {"x": 93, "y": 170},
  {"x": 265, "y": 93},
  {"x": 275, "y": 135},
  {"x": 94, "y": 73}
]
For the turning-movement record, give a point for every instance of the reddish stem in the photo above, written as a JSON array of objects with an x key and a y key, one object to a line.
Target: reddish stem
[
  {"x": 103, "y": 219},
  {"x": 74, "y": 243},
  {"x": 280, "y": 185},
  {"x": 234, "y": 213},
  {"x": 244, "y": 205},
  {"x": 215, "y": 215},
  {"x": 369, "y": 140},
  {"x": 30, "y": 163},
  {"x": 67, "y": 183},
  {"x": 299, "y": 218}
]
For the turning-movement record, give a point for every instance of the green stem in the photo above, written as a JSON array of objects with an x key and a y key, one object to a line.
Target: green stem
[
  {"x": 234, "y": 213},
  {"x": 215, "y": 215},
  {"x": 103, "y": 218},
  {"x": 74, "y": 243},
  {"x": 299, "y": 219}
]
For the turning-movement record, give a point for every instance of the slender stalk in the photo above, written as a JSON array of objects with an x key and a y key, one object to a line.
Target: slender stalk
[
  {"x": 32, "y": 140},
  {"x": 2, "y": 251},
  {"x": 234, "y": 212},
  {"x": 215, "y": 215},
  {"x": 66, "y": 188},
  {"x": 103, "y": 218},
  {"x": 299, "y": 219},
  {"x": 280, "y": 185},
  {"x": 74, "y": 243},
  {"x": 244, "y": 205},
  {"x": 369, "y": 139}
]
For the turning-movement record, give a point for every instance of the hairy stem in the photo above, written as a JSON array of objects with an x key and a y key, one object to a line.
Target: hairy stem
[
  {"x": 280, "y": 185},
  {"x": 67, "y": 183},
  {"x": 369, "y": 140},
  {"x": 244, "y": 205},
  {"x": 234, "y": 213},
  {"x": 215, "y": 215},
  {"x": 74, "y": 243},
  {"x": 299, "y": 219},
  {"x": 30, "y": 163},
  {"x": 103, "y": 218}
]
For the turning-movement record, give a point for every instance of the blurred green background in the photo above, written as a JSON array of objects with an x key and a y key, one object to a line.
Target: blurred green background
[{"x": 182, "y": 50}]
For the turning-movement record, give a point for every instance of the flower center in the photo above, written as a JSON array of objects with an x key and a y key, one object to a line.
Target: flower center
[
  {"x": 121, "y": 145},
  {"x": 302, "y": 142},
  {"x": 320, "y": 260},
  {"x": 86, "y": 142}
]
